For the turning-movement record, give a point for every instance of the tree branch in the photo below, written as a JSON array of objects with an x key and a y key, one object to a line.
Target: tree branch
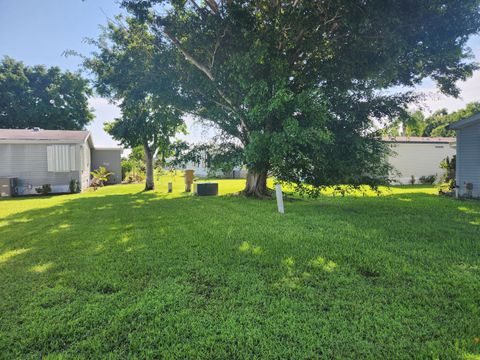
[
  {"x": 212, "y": 5},
  {"x": 203, "y": 68},
  {"x": 194, "y": 3},
  {"x": 189, "y": 57},
  {"x": 217, "y": 45}
]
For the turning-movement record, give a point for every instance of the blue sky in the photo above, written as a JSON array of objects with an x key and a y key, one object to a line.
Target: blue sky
[{"x": 39, "y": 31}]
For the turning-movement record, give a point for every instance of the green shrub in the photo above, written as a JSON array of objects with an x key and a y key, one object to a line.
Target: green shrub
[
  {"x": 45, "y": 189},
  {"x": 449, "y": 165},
  {"x": 446, "y": 188},
  {"x": 448, "y": 179},
  {"x": 429, "y": 179},
  {"x": 127, "y": 167},
  {"x": 100, "y": 176},
  {"x": 74, "y": 186},
  {"x": 134, "y": 177}
]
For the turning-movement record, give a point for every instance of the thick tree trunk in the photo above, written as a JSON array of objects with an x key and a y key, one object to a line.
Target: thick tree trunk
[
  {"x": 149, "y": 181},
  {"x": 256, "y": 185}
]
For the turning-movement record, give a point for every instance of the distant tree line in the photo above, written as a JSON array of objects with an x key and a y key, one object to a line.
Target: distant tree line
[
  {"x": 415, "y": 123},
  {"x": 37, "y": 96}
]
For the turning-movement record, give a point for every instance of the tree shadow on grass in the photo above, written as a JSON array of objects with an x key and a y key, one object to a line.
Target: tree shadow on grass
[
  {"x": 125, "y": 222},
  {"x": 101, "y": 267}
]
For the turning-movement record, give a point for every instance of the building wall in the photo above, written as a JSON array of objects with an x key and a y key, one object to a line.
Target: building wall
[
  {"x": 418, "y": 159},
  {"x": 85, "y": 169},
  {"x": 468, "y": 160},
  {"x": 111, "y": 159},
  {"x": 28, "y": 162},
  {"x": 201, "y": 171}
]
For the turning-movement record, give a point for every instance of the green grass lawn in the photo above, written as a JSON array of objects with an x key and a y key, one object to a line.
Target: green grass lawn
[{"x": 121, "y": 273}]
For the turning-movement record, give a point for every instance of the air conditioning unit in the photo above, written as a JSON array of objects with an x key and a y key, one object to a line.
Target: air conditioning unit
[
  {"x": 206, "y": 189},
  {"x": 8, "y": 186}
]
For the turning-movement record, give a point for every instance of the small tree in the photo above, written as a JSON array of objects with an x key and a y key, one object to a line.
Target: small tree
[{"x": 132, "y": 68}]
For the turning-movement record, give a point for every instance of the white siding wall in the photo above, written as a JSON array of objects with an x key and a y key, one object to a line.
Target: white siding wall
[
  {"x": 111, "y": 160},
  {"x": 418, "y": 159},
  {"x": 28, "y": 162},
  {"x": 201, "y": 171},
  {"x": 468, "y": 159}
]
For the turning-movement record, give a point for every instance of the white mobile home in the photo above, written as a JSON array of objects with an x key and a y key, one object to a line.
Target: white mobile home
[
  {"x": 468, "y": 156},
  {"x": 418, "y": 156},
  {"x": 201, "y": 170},
  {"x": 34, "y": 157},
  {"x": 411, "y": 156}
]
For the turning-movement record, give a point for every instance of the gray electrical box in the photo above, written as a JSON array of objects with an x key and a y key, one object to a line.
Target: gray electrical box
[
  {"x": 8, "y": 187},
  {"x": 206, "y": 189}
]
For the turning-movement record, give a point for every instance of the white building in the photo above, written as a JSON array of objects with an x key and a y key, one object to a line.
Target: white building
[
  {"x": 418, "y": 156},
  {"x": 468, "y": 156},
  {"x": 412, "y": 156},
  {"x": 30, "y": 158},
  {"x": 201, "y": 170}
]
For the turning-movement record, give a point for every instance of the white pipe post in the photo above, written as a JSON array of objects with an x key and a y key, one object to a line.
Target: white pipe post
[{"x": 279, "y": 196}]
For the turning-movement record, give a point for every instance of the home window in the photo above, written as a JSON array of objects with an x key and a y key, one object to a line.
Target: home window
[{"x": 61, "y": 158}]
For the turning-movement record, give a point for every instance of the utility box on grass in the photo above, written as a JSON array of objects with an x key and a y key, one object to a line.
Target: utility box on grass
[
  {"x": 188, "y": 180},
  {"x": 206, "y": 189}
]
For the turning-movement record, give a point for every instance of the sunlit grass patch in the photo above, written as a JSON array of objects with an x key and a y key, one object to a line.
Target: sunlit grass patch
[
  {"x": 12, "y": 253},
  {"x": 42, "y": 267},
  {"x": 248, "y": 248},
  {"x": 321, "y": 263}
]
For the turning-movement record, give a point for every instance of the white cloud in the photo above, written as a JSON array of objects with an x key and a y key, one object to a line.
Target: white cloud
[
  {"x": 196, "y": 131},
  {"x": 470, "y": 91},
  {"x": 104, "y": 112}
]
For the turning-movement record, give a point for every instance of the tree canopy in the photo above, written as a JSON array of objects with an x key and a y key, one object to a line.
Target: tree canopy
[
  {"x": 131, "y": 67},
  {"x": 298, "y": 83},
  {"x": 42, "y": 97}
]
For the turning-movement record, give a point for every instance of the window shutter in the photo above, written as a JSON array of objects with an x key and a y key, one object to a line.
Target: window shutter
[
  {"x": 73, "y": 164},
  {"x": 50, "y": 159},
  {"x": 61, "y": 158}
]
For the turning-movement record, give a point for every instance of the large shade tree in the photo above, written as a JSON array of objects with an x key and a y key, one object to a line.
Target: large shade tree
[
  {"x": 299, "y": 82},
  {"x": 37, "y": 96},
  {"x": 132, "y": 68}
]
